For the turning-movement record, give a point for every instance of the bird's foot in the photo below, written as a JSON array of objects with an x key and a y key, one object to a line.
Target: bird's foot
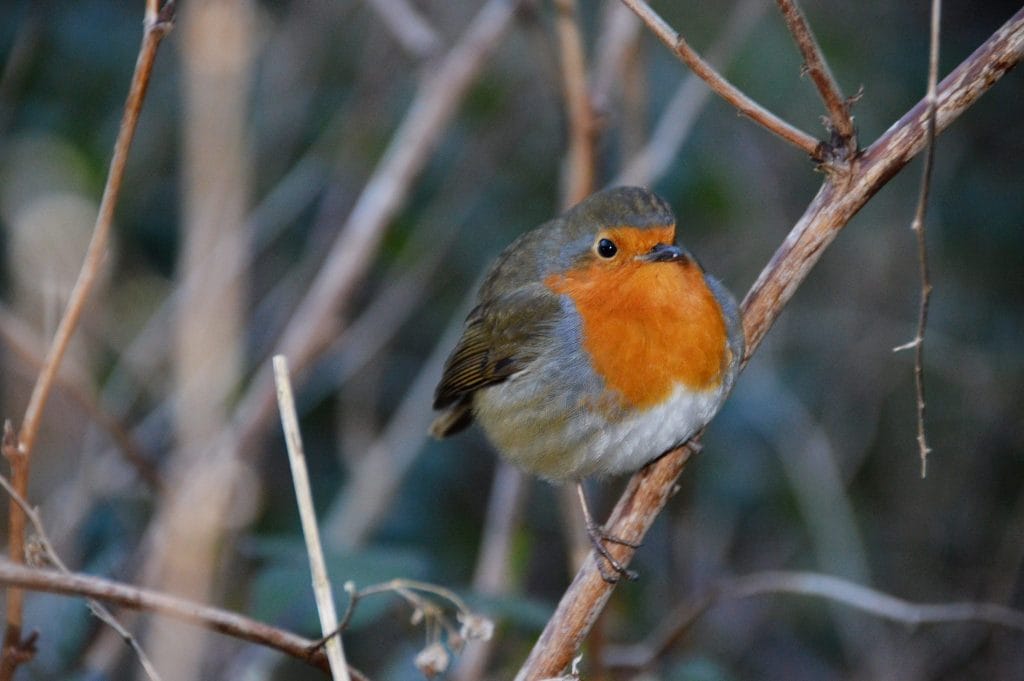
[{"x": 598, "y": 536}]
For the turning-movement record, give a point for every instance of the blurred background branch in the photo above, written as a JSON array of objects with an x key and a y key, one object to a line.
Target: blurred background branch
[{"x": 827, "y": 587}]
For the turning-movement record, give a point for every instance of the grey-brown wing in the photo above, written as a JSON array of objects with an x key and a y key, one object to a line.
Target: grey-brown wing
[{"x": 502, "y": 336}]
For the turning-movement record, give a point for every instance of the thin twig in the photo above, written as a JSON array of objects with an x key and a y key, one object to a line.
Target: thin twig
[
  {"x": 128, "y": 596},
  {"x": 918, "y": 226},
  {"x": 655, "y": 159},
  {"x": 158, "y": 22},
  {"x": 424, "y": 609},
  {"x": 815, "y": 585},
  {"x": 51, "y": 556},
  {"x": 719, "y": 84},
  {"x": 841, "y": 123},
  {"x": 827, "y": 214},
  {"x": 154, "y": 33},
  {"x": 304, "y": 497}
]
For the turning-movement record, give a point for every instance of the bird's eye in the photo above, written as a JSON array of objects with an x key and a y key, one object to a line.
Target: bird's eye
[{"x": 606, "y": 248}]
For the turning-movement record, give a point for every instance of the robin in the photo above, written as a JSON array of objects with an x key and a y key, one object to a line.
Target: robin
[{"x": 596, "y": 345}]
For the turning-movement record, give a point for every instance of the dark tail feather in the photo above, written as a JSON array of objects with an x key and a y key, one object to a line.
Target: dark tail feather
[{"x": 453, "y": 419}]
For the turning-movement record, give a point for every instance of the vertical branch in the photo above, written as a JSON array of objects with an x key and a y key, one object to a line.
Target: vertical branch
[
  {"x": 304, "y": 498},
  {"x": 491, "y": 576},
  {"x": 838, "y": 107},
  {"x": 918, "y": 226},
  {"x": 217, "y": 50},
  {"x": 158, "y": 22},
  {"x": 578, "y": 177}
]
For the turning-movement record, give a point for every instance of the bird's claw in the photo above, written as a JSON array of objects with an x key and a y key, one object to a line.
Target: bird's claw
[{"x": 598, "y": 537}]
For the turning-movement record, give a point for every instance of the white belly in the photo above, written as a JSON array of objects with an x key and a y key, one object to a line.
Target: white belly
[{"x": 560, "y": 438}]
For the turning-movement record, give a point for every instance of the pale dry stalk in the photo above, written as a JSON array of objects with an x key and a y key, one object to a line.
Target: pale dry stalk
[
  {"x": 304, "y": 497},
  {"x": 217, "y": 49}
]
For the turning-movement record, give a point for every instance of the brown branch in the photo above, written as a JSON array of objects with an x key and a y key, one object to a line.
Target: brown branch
[
  {"x": 811, "y": 584},
  {"x": 127, "y": 596},
  {"x": 841, "y": 123},
  {"x": 836, "y": 202},
  {"x": 158, "y": 23},
  {"x": 578, "y": 176},
  {"x": 719, "y": 84}
]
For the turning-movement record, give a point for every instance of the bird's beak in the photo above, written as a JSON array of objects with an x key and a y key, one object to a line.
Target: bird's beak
[{"x": 664, "y": 253}]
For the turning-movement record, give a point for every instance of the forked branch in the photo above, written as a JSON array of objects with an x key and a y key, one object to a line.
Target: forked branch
[
  {"x": 840, "y": 121},
  {"x": 719, "y": 84}
]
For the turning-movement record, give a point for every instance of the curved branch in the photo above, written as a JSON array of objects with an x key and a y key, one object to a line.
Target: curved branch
[{"x": 838, "y": 200}]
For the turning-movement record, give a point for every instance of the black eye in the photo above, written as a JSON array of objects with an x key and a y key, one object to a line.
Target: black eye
[{"x": 606, "y": 248}]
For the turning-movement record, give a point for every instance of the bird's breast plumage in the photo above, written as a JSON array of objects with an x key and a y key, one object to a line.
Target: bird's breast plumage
[{"x": 648, "y": 328}]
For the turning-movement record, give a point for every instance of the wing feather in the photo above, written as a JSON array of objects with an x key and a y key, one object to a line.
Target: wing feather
[{"x": 502, "y": 336}]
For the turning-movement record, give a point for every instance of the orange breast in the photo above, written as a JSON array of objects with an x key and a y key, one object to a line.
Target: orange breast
[{"x": 648, "y": 327}]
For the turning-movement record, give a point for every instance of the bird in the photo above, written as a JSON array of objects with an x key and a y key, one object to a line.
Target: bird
[{"x": 597, "y": 343}]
